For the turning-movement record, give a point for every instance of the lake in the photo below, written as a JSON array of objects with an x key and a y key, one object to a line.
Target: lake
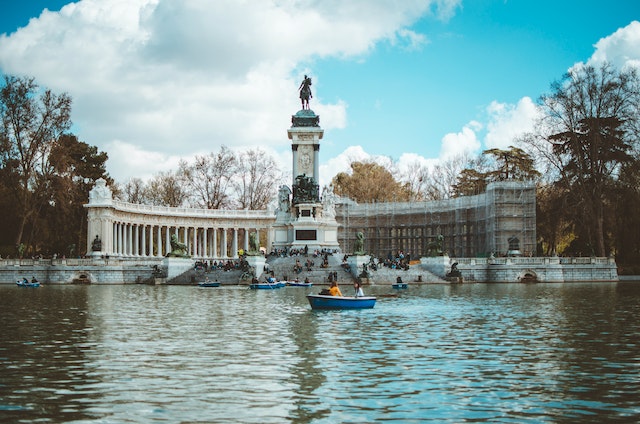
[{"x": 441, "y": 353}]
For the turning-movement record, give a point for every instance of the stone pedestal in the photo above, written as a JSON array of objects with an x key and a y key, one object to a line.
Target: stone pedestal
[
  {"x": 356, "y": 263},
  {"x": 257, "y": 263},
  {"x": 177, "y": 266}
]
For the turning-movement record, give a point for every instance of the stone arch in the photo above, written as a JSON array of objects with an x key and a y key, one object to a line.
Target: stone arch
[
  {"x": 528, "y": 276},
  {"x": 81, "y": 277}
]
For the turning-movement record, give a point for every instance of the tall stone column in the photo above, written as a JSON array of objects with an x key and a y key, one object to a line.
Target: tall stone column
[
  {"x": 143, "y": 239},
  {"x": 129, "y": 239},
  {"x": 159, "y": 242},
  {"x": 234, "y": 244},
  {"x": 224, "y": 247},
  {"x": 205, "y": 249},
  {"x": 215, "y": 243},
  {"x": 194, "y": 238},
  {"x": 136, "y": 240}
]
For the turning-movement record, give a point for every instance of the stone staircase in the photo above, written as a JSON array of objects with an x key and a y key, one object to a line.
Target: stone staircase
[
  {"x": 415, "y": 274},
  {"x": 282, "y": 268}
]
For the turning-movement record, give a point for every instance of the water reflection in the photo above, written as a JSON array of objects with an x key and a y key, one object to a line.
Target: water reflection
[{"x": 472, "y": 352}]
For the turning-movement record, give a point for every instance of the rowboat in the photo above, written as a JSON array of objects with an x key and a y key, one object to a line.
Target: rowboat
[
  {"x": 320, "y": 301},
  {"x": 209, "y": 284},
  {"x": 266, "y": 286},
  {"x": 27, "y": 284},
  {"x": 399, "y": 285},
  {"x": 298, "y": 284}
]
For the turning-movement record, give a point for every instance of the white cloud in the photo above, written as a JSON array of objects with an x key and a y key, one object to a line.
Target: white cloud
[
  {"x": 507, "y": 122},
  {"x": 622, "y": 48},
  {"x": 160, "y": 79},
  {"x": 466, "y": 141}
]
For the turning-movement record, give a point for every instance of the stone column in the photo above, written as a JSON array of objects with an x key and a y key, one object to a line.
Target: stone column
[
  {"x": 122, "y": 240},
  {"x": 159, "y": 242},
  {"x": 294, "y": 151},
  {"x": 215, "y": 243},
  {"x": 195, "y": 252},
  {"x": 246, "y": 239},
  {"x": 205, "y": 250},
  {"x": 234, "y": 244},
  {"x": 143, "y": 239},
  {"x": 316, "y": 163},
  {"x": 130, "y": 239},
  {"x": 224, "y": 247},
  {"x": 136, "y": 241}
]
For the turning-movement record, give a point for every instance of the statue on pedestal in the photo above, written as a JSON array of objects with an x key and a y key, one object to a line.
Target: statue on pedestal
[
  {"x": 178, "y": 249},
  {"x": 305, "y": 92},
  {"x": 96, "y": 246}
]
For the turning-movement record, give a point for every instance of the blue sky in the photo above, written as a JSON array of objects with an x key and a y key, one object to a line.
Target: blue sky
[{"x": 156, "y": 81}]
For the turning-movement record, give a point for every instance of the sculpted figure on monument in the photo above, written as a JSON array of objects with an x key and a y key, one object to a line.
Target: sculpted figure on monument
[
  {"x": 328, "y": 201},
  {"x": 305, "y": 92},
  {"x": 178, "y": 249},
  {"x": 305, "y": 190},
  {"x": 254, "y": 245},
  {"x": 358, "y": 245},
  {"x": 96, "y": 246},
  {"x": 283, "y": 198}
]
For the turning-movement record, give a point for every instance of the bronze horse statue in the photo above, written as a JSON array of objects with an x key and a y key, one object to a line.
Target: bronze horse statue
[{"x": 305, "y": 92}]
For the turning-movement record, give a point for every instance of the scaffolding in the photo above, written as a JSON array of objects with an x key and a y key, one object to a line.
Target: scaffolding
[{"x": 472, "y": 226}]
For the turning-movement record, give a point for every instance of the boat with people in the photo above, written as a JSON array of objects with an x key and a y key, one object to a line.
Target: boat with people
[
  {"x": 298, "y": 283},
  {"x": 266, "y": 285},
  {"x": 399, "y": 284},
  {"x": 25, "y": 283},
  {"x": 321, "y": 301}
]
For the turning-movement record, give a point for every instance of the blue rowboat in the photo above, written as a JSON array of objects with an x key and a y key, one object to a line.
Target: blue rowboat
[
  {"x": 209, "y": 284},
  {"x": 399, "y": 285},
  {"x": 320, "y": 301},
  {"x": 266, "y": 286},
  {"x": 27, "y": 284}
]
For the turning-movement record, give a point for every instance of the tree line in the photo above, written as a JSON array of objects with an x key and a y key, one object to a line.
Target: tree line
[{"x": 582, "y": 155}]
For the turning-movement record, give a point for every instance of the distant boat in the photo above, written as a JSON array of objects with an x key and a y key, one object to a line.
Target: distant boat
[
  {"x": 266, "y": 285},
  {"x": 298, "y": 284},
  {"x": 27, "y": 284},
  {"x": 400, "y": 285},
  {"x": 209, "y": 284},
  {"x": 320, "y": 301}
]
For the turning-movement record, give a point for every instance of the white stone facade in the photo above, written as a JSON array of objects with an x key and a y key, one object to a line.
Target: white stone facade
[{"x": 134, "y": 230}]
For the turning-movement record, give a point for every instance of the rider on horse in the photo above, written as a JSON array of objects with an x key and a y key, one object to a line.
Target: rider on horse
[{"x": 305, "y": 92}]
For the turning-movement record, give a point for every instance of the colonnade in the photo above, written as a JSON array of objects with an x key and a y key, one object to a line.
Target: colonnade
[
  {"x": 121, "y": 229},
  {"x": 133, "y": 240}
]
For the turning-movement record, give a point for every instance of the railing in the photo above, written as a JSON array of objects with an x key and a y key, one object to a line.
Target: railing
[
  {"x": 192, "y": 212},
  {"x": 535, "y": 260}
]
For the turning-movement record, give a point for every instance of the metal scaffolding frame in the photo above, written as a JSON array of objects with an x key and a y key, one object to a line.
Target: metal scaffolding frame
[{"x": 472, "y": 226}]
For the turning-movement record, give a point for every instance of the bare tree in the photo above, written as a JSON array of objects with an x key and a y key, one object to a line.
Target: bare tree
[
  {"x": 135, "y": 191},
  {"x": 209, "y": 178},
  {"x": 166, "y": 189},
  {"x": 256, "y": 179}
]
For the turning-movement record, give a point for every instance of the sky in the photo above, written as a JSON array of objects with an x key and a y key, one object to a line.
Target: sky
[{"x": 157, "y": 81}]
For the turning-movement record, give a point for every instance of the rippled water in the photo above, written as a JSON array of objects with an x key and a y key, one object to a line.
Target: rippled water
[{"x": 465, "y": 353}]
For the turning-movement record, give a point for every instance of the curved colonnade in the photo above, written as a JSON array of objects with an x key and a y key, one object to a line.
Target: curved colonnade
[{"x": 134, "y": 230}]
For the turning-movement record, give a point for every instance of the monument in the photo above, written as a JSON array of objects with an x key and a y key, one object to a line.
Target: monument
[{"x": 304, "y": 219}]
